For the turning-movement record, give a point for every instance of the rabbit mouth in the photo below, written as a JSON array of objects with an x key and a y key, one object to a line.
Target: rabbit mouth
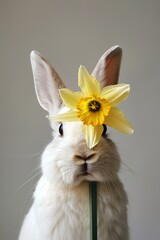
[{"x": 84, "y": 169}]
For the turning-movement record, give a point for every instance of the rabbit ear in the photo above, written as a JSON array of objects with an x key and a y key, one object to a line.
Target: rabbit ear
[
  {"x": 47, "y": 83},
  {"x": 108, "y": 67}
]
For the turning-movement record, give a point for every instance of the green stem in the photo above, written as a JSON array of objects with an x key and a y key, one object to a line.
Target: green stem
[{"x": 93, "y": 210}]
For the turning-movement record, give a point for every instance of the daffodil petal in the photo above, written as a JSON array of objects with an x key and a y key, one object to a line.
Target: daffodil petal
[
  {"x": 70, "y": 99},
  {"x": 92, "y": 134},
  {"x": 69, "y": 116},
  {"x": 117, "y": 120},
  {"x": 87, "y": 83},
  {"x": 115, "y": 93}
]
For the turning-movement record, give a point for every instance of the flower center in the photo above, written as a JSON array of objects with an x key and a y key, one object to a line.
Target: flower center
[
  {"x": 93, "y": 110},
  {"x": 94, "y": 106}
]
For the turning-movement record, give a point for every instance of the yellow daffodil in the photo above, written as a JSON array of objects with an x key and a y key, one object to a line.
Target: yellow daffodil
[{"x": 94, "y": 106}]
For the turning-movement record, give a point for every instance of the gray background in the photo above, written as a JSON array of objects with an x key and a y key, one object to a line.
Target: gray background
[{"x": 70, "y": 33}]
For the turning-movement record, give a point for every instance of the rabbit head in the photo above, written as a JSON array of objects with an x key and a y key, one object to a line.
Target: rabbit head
[{"x": 67, "y": 160}]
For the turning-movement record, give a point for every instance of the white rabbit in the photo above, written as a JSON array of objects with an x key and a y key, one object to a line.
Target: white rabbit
[{"x": 60, "y": 209}]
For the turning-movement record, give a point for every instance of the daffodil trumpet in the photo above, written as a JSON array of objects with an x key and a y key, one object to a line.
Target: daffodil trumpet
[{"x": 94, "y": 106}]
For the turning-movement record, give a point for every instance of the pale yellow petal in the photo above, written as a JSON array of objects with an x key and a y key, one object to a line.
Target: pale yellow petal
[
  {"x": 115, "y": 93},
  {"x": 92, "y": 134},
  {"x": 68, "y": 116},
  {"x": 87, "y": 83},
  {"x": 117, "y": 120},
  {"x": 70, "y": 99}
]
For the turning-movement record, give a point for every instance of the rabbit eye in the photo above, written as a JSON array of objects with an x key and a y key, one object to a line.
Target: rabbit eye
[
  {"x": 61, "y": 129},
  {"x": 104, "y": 130}
]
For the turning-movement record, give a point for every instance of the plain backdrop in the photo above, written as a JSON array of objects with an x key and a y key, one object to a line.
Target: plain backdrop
[{"x": 70, "y": 33}]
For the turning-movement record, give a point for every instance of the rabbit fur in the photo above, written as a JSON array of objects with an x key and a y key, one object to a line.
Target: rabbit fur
[{"x": 60, "y": 208}]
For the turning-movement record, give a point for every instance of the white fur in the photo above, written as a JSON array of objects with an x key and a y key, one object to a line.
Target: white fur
[{"x": 60, "y": 208}]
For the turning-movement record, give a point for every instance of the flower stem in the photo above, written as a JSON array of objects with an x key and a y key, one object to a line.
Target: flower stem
[{"x": 93, "y": 210}]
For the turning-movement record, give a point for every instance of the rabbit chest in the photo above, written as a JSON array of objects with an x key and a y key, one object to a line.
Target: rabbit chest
[{"x": 58, "y": 214}]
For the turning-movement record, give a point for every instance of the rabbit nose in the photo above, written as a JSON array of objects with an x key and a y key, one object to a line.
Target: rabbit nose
[
  {"x": 82, "y": 152},
  {"x": 84, "y": 157}
]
